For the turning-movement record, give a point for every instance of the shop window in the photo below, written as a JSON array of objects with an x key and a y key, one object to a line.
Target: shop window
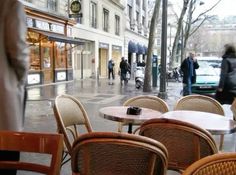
[
  {"x": 47, "y": 53},
  {"x": 60, "y": 57},
  {"x": 69, "y": 56},
  {"x": 34, "y": 57},
  {"x": 34, "y": 54}
]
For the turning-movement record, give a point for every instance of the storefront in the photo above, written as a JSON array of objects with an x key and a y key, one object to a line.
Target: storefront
[
  {"x": 116, "y": 56},
  {"x": 103, "y": 58},
  {"x": 51, "y": 47}
]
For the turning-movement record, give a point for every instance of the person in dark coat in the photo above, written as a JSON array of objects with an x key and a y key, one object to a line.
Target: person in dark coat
[
  {"x": 227, "y": 92},
  {"x": 188, "y": 67},
  {"x": 124, "y": 67},
  {"x": 111, "y": 65}
]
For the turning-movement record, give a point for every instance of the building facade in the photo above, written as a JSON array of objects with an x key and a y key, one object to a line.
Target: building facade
[
  {"x": 101, "y": 27},
  {"x": 136, "y": 31},
  {"x": 64, "y": 49}
]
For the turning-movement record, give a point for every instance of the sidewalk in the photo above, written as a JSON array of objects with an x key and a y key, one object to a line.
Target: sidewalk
[{"x": 93, "y": 94}]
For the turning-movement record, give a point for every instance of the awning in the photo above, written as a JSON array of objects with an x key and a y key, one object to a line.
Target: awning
[
  {"x": 60, "y": 38},
  {"x": 140, "y": 49},
  {"x": 132, "y": 47}
]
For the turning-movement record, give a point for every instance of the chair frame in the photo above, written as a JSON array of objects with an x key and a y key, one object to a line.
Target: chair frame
[
  {"x": 46, "y": 143},
  {"x": 212, "y": 161},
  {"x": 198, "y": 133},
  {"x": 201, "y": 97},
  {"x": 131, "y": 102},
  {"x": 134, "y": 141},
  {"x": 72, "y": 129},
  {"x": 217, "y": 105},
  {"x": 233, "y": 109}
]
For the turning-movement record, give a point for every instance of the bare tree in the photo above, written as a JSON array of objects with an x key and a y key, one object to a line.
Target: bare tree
[
  {"x": 148, "y": 69},
  {"x": 201, "y": 18},
  {"x": 184, "y": 28},
  {"x": 178, "y": 31}
]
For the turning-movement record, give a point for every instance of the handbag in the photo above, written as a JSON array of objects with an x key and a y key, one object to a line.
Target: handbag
[{"x": 128, "y": 76}]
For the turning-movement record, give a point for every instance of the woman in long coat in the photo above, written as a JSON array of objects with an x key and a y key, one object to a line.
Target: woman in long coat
[{"x": 14, "y": 64}]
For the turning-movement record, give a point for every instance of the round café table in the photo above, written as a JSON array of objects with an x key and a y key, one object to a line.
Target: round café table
[
  {"x": 214, "y": 123},
  {"x": 118, "y": 114}
]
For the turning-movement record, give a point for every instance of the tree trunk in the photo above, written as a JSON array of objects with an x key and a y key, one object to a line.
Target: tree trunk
[
  {"x": 148, "y": 68},
  {"x": 178, "y": 31}
]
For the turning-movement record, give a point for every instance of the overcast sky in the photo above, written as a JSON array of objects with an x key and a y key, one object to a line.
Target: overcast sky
[{"x": 224, "y": 8}]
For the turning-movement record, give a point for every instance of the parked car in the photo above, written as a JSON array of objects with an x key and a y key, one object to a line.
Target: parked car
[{"x": 208, "y": 76}]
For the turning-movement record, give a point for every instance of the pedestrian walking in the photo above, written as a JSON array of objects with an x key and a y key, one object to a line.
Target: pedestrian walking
[
  {"x": 13, "y": 71},
  {"x": 188, "y": 67},
  {"x": 124, "y": 68},
  {"x": 226, "y": 91},
  {"x": 111, "y": 75}
]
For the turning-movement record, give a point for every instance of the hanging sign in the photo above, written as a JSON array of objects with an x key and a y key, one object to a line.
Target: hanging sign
[{"x": 75, "y": 7}]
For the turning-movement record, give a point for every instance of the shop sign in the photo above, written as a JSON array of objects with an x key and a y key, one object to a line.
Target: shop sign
[
  {"x": 103, "y": 45},
  {"x": 33, "y": 79},
  {"x": 61, "y": 76},
  {"x": 118, "y": 48},
  {"x": 44, "y": 25}
]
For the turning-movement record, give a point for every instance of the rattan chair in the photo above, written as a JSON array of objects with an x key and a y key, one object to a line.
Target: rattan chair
[
  {"x": 106, "y": 153},
  {"x": 145, "y": 101},
  {"x": 71, "y": 117},
  {"x": 185, "y": 142},
  {"x": 201, "y": 103},
  {"x": 46, "y": 146},
  {"x": 233, "y": 109},
  {"x": 218, "y": 164}
]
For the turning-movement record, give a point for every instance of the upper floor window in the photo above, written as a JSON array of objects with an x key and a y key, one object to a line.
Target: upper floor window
[
  {"x": 93, "y": 14},
  {"x": 130, "y": 12},
  {"x": 52, "y": 5},
  {"x": 144, "y": 5},
  {"x": 137, "y": 17},
  {"x": 138, "y": 2},
  {"x": 105, "y": 19},
  {"x": 117, "y": 25},
  {"x": 143, "y": 20}
]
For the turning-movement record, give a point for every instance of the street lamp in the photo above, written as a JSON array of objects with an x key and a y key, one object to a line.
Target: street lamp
[
  {"x": 169, "y": 47},
  {"x": 162, "y": 92}
]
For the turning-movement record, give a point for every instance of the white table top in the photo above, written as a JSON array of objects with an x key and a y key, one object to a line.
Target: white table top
[
  {"x": 214, "y": 123},
  {"x": 118, "y": 113}
]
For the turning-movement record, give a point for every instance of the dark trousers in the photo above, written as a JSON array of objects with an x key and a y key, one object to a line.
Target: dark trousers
[
  {"x": 111, "y": 73},
  {"x": 9, "y": 155}
]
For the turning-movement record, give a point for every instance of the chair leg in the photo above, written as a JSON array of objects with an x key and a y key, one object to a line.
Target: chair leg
[
  {"x": 64, "y": 156},
  {"x": 120, "y": 126},
  {"x": 221, "y": 142}
]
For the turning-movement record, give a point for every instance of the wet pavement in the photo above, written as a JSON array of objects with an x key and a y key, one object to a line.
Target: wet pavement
[{"x": 94, "y": 94}]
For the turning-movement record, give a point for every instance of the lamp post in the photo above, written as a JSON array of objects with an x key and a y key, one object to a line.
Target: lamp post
[
  {"x": 162, "y": 92},
  {"x": 169, "y": 47}
]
